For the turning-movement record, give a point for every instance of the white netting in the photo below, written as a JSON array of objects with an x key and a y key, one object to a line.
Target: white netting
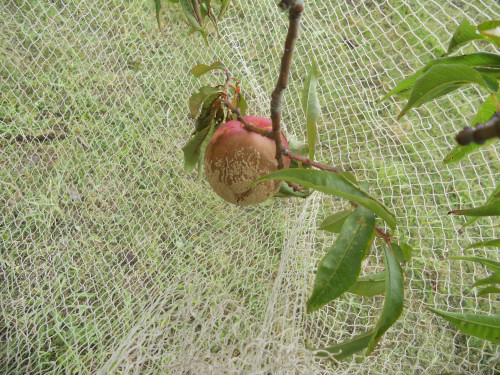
[{"x": 114, "y": 260}]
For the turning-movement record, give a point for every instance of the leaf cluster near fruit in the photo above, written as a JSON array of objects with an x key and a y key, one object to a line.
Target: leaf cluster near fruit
[
  {"x": 440, "y": 77},
  {"x": 199, "y": 14}
]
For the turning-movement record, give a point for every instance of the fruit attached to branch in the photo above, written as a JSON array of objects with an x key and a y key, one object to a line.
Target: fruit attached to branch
[{"x": 235, "y": 157}]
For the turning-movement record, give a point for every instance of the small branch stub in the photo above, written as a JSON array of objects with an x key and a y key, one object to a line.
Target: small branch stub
[{"x": 481, "y": 132}]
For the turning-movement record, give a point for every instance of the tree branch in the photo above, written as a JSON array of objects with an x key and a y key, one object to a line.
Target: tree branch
[
  {"x": 481, "y": 132},
  {"x": 301, "y": 159},
  {"x": 295, "y": 8}
]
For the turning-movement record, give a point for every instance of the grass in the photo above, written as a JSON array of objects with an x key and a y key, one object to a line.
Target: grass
[{"x": 113, "y": 258}]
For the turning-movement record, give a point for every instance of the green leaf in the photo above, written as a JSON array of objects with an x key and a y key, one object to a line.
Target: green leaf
[
  {"x": 493, "y": 279},
  {"x": 200, "y": 69},
  {"x": 484, "y": 113},
  {"x": 332, "y": 184},
  {"x": 397, "y": 252},
  {"x": 491, "y": 264},
  {"x": 301, "y": 149},
  {"x": 333, "y": 223},
  {"x": 158, "y": 13},
  {"x": 407, "y": 250},
  {"x": 491, "y": 198},
  {"x": 350, "y": 176},
  {"x": 440, "y": 80},
  {"x": 239, "y": 102},
  {"x": 394, "y": 296},
  {"x": 494, "y": 243},
  {"x": 475, "y": 60},
  {"x": 369, "y": 285},
  {"x": 402, "y": 251},
  {"x": 311, "y": 107},
  {"x": 486, "y": 327},
  {"x": 195, "y": 101},
  {"x": 223, "y": 8},
  {"x": 491, "y": 31},
  {"x": 488, "y": 290},
  {"x": 347, "y": 348},
  {"x": 340, "y": 267},
  {"x": 465, "y": 33},
  {"x": 195, "y": 148},
  {"x": 490, "y": 209},
  {"x": 286, "y": 191}
]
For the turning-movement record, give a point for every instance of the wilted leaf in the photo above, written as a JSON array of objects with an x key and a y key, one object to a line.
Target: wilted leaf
[
  {"x": 369, "y": 285},
  {"x": 340, "y": 267},
  {"x": 490, "y": 209},
  {"x": 440, "y": 80},
  {"x": 332, "y": 184},
  {"x": 394, "y": 296},
  {"x": 490, "y": 264},
  {"x": 312, "y": 109},
  {"x": 195, "y": 148},
  {"x": 198, "y": 98},
  {"x": 333, "y": 223},
  {"x": 486, "y": 327},
  {"x": 200, "y": 69},
  {"x": 480, "y": 59},
  {"x": 209, "y": 111},
  {"x": 347, "y": 348}
]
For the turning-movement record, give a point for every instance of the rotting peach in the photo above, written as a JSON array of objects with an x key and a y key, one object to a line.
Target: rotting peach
[{"x": 235, "y": 157}]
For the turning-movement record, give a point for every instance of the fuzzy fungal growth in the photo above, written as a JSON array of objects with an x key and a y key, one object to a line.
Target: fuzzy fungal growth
[{"x": 235, "y": 157}]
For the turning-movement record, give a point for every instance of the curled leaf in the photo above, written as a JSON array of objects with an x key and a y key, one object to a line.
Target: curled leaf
[
  {"x": 311, "y": 107},
  {"x": 394, "y": 296}
]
